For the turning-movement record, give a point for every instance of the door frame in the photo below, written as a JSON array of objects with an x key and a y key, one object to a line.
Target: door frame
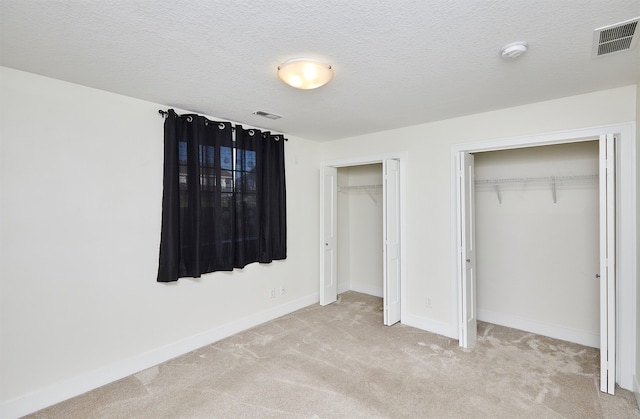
[
  {"x": 402, "y": 157},
  {"x": 625, "y": 229}
]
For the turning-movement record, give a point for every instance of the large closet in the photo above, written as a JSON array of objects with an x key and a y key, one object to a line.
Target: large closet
[
  {"x": 537, "y": 240},
  {"x": 359, "y": 224}
]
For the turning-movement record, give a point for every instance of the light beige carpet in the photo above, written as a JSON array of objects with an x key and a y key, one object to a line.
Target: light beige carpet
[{"x": 339, "y": 361}]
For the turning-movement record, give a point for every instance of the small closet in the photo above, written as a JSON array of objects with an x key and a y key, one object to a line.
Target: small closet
[
  {"x": 359, "y": 224},
  {"x": 537, "y": 240}
]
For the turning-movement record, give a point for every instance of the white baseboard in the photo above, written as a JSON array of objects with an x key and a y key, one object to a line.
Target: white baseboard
[
  {"x": 427, "y": 325},
  {"x": 75, "y": 386},
  {"x": 406, "y": 319},
  {"x": 343, "y": 287},
  {"x": 557, "y": 332},
  {"x": 367, "y": 289}
]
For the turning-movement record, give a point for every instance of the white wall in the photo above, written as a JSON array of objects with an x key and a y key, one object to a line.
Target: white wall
[
  {"x": 81, "y": 191},
  {"x": 533, "y": 255},
  {"x": 360, "y": 230}
]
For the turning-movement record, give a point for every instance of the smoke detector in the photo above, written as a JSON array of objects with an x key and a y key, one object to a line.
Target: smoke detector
[
  {"x": 618, "y": 37},
  {"x": 514, "y": 50}
]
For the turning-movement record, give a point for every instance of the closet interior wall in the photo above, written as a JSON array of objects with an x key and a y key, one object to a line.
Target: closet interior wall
[
  {"x": 359, "y": 223},
  {"x": 537, "y": 259}
]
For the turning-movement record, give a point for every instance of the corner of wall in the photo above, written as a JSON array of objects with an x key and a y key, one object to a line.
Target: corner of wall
[{"x": 636, "y": 386}]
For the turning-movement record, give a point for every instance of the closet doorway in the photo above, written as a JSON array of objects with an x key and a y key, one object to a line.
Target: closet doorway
[
  {"x": 611, "y": 217},
  {"x": 537, "y": 236},
  {"x": 389, "y": 193},
  {"x": 359, "y": 222}
]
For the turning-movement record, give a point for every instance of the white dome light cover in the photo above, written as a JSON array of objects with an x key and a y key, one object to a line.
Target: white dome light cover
[{"x": 305, "y": 73}]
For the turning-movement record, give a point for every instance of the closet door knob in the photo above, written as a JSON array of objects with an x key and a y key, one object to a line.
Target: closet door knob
[
  {"x": 598, "y": 276},
  {"x": 468, "y": 260}
]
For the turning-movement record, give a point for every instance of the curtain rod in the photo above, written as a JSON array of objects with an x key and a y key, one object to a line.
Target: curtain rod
[{"x": 165, "y": 113}]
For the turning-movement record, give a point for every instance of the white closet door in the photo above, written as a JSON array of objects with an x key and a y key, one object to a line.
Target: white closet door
[
  {"x": 467, "y": 256},
  {"x": 391, "y": 247},
  {"x": 328, "y": 235},
  {"x": 607, "y": 264}
]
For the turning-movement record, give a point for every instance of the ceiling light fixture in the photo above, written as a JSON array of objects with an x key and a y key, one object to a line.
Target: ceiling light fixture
[
  {"x": 514, "y": 50},
  {"x": 305, "y": 73}
]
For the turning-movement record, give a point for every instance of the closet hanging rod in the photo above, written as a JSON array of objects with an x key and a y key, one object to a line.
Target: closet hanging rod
[
  {"x": 346, "y": 188},
  {"x": 542, "y": 179},
  {"x": 164, "y": 115}
]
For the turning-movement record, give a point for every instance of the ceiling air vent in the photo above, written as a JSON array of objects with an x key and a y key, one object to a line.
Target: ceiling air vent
[
  {"x": 267, "y": 115},
  {"x": 620, "y": 37}
]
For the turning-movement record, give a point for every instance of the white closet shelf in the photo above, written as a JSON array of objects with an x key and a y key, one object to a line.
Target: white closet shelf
[
  {"x": 549, "y": 180},
  {"x": 358, "y": 187},
  {"x": 364, "y": 188},
  {"x": 540, "y": 179}
]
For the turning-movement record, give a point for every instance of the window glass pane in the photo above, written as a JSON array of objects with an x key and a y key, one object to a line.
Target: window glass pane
[
  {"x": 226, "y": 181},
  {"x": 182, "y": 165},
  {"x": 225, "y": 201},
  {"x": 207, "y": 179},
  {"x": 207, "y": 155},
  {"x": 182, "y": 176},
  {"x": 182, "y": 152},
  {"x": 246, "y": 182},
  {"x": 250, "y": 202},
  {"x": 226, "y": 161},
  {"x": 245, "y": 160}
]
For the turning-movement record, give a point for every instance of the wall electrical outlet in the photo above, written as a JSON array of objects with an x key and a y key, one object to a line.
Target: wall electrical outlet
[
  {"x": 272, "y": 293},
  {"x": 428, "y": 302},
  {"x": 283, "y": 290}
]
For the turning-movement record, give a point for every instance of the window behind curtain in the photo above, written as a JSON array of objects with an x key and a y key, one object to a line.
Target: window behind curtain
[{"x": 224, "y": 200}]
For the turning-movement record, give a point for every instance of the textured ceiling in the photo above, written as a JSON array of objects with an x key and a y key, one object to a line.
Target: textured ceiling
[{"x": 397, "y": 63}]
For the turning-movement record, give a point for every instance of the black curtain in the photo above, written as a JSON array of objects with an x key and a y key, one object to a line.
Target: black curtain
[{"x": 224, "y": 200}]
